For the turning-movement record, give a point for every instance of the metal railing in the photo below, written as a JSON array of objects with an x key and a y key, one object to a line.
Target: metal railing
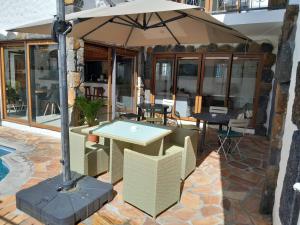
[{"x": 223, "y": 6}]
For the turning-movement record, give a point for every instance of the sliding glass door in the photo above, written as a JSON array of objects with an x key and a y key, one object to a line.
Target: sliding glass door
[
  {"x": 163, "y": 79},
  {"x": 125, "y": 84},
  {"x": 30, "y": 89},
  {"x": 187, "y": 74},
  {"x": 15, "y": 83},
  {"x": 204, "y": 80},
  {"x": 243, "y": 83},
  {"x": 44, "y": 83},
  {"x": 215, "y": 81}
]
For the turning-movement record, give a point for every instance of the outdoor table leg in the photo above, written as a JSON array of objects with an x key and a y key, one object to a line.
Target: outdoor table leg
[
  {"x": 140, "y": 114},
  {"x": 165, "y": 116},
  {"x": 203, "y": 133}
]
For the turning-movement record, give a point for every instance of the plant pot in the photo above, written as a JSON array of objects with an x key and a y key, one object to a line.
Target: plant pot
[{"x": 93, "y": 138}]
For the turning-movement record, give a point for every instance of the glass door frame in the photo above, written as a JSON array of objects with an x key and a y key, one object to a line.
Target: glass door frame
[
  {"x": 31, "y": 123},
  {"x": 258, "y": 57},
  {"x": 156, "y": 58},
  {"x": 202, "y": 56},
  {"x": 26, "y": 45},
  {"x": 217, "y": 55},
  {"x": 3, "y": 82},
  {"x": 194, "y": 56},
  {"x": 133, "y": 56},
  {"x": 175, "y": 57}
]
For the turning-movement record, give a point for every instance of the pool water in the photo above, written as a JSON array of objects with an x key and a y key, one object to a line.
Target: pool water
[{"x": 3, "y": 169}]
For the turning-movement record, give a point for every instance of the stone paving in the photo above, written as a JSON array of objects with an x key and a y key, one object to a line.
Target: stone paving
[{"x": 218, "y": 192}]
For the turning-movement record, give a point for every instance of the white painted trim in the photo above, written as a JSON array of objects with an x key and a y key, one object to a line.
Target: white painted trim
[{"x": 51, "y": 133}]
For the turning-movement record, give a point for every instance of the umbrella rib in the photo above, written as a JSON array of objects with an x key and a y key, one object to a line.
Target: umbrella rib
[
  {"x": 163, "y": 22},
  {"x": 131, "y": 30},
  {"x": 129, "y": 22},
  {"x": 125, "y": 24},
  {"x": 167, "y": 21},
  {"x": 207, "y": 21},
  {"x": 134, "y": 21},
  {"x": 96, "y": 28},
  {"x": 149, "y": 19}
]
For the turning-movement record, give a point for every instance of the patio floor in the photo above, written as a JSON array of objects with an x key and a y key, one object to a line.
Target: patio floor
[{"x": 218, "y": 192}]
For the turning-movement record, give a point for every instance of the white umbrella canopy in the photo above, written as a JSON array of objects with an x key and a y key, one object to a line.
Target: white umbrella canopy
[{"x": 144, "y": 23}]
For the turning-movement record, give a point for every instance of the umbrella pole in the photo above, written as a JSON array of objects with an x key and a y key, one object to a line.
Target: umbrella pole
[
  {"x": 113, "y": 85},
  {"x": 63, "y": 90}
]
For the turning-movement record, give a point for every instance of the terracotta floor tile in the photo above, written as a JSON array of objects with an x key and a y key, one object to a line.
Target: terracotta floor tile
[{"x": 217, "y": 192}]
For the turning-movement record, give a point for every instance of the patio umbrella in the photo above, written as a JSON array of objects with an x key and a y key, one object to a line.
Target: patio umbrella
[
  {"x": 144, "y": 23},
  {"x": 135, "y": 23}
]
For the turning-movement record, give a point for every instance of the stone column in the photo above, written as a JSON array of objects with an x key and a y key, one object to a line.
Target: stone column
[
  {"x": 282, "y": 75},
  {"x": 75, "y": 70}
]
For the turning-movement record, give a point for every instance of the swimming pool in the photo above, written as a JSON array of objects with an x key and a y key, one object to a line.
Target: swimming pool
[{"x": 3, "y": 169}]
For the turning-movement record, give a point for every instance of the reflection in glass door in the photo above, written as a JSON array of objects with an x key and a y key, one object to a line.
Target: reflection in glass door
[
  {"x": 186, "y": 86},
  {"x": 243, "y": 85},
  {"x": 163, "y": 80},
  {"x": 44, "y": 85},
  {"x": 214, "y": 85},
  {"x": 124, "y": 84},
  {"x": 15, "y": 83}
]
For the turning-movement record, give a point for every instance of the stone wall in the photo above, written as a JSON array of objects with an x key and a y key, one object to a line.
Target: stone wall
[
  {"x": 75, "y": 73},
  {"x": 268, "y": 60},
  {"x": 282, "y": 76}
]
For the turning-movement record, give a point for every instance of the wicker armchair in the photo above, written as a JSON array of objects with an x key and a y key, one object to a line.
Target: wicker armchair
[
  {"x": 86, "y": 157},
  {"x": 151, "y": 183},
  {"x": 185, "y": 140}
]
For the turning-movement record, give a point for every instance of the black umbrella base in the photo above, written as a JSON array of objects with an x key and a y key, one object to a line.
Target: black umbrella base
[{"x": 49, "y": 204}]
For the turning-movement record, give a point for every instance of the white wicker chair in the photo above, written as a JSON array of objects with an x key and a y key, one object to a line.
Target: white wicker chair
[{"x": 151, "y": 183}]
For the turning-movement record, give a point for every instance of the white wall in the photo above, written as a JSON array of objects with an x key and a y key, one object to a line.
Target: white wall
[{"x": 288, "y": 130}]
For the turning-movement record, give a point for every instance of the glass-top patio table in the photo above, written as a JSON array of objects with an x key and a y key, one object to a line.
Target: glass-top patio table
[{"x": 127, "y": 134}]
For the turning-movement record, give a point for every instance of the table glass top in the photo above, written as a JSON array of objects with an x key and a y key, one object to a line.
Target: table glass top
[{"x": 134, "y": 132}]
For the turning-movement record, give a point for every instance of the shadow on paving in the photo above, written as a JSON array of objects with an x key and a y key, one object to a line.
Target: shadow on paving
[
  {"x": 6, "y": 221},
  {"x": 241, "y": 179}
]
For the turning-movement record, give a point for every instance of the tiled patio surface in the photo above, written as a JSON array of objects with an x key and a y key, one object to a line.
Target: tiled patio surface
[{"x": 218, "y": 192}]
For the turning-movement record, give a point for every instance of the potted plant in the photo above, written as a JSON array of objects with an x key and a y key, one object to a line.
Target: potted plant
[{"x": 90, "y": 110}]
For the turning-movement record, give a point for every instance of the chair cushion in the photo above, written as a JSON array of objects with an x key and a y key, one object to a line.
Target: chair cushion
[
  {"x": 231, "y": 134},
  {"x": 169, "y": 148},
  {"x": 95, "y": 146}
]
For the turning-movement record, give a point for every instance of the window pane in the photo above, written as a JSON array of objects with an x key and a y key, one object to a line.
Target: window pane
[
  {"x": 187, "y": 77},
  {"x": 163, "y": 80},
  {"x": 15, "y": 83},
  {"x": 45, "y": 85},
  {"x": 124, "y": 81},
  {"x": 214, "y": 83},
  {"x": 242, "y": 87}
]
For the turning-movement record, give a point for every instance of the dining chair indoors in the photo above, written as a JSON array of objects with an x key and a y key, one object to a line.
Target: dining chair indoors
[
  {"x": 153, "y": 114},
  {"x": 186, "y": 126},
  {"x": 218, "y": 109},
  {"x": 234, "y": 134}
]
